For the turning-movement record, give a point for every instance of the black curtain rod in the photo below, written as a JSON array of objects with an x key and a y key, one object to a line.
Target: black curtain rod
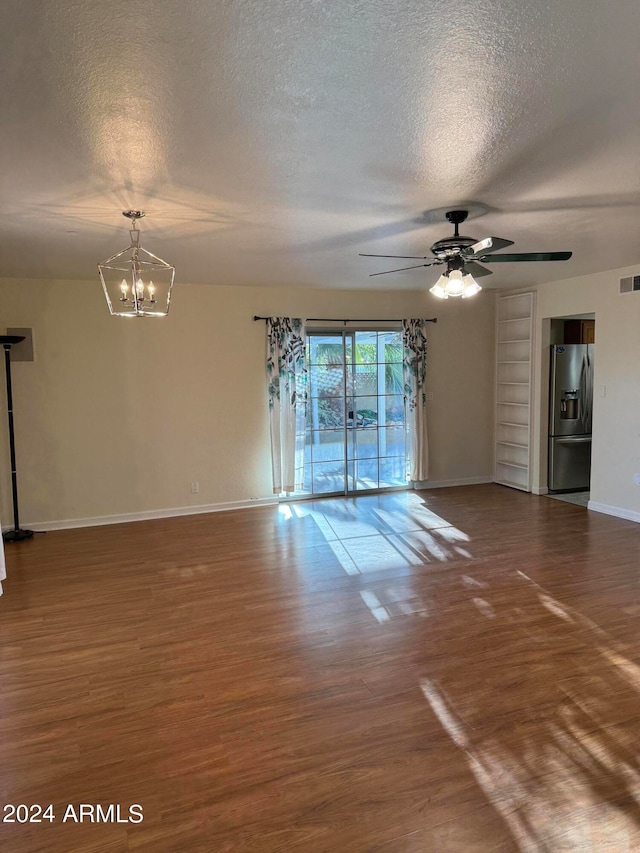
[{"x": 334, "y": 320}]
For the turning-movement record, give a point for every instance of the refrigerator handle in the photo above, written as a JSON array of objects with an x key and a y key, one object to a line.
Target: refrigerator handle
[{"x": 586, "y": 391}]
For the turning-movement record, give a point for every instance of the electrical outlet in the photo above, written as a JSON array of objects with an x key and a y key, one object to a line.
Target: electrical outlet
[
  {"x": 636, "y": 479},
  {"x": 429, "y": 395},
  {"x": 195, "y": 487}
]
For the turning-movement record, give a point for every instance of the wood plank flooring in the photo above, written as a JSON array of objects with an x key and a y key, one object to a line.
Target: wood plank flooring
[{"x": 454, "y": 670}]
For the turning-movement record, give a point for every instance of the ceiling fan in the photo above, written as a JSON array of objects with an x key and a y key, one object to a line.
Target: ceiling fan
[{"x": 461, "y": 256}]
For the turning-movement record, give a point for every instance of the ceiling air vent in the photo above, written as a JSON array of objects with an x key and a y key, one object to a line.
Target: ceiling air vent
[{"x": 630, "y": 284}]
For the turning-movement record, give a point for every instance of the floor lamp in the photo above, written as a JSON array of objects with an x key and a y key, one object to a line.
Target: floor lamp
[{"x": 15, "y": 535}]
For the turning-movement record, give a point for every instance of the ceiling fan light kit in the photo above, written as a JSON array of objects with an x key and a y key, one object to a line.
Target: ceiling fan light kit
[
  {"x": 454, "y": 284},
  {"x": 462, "y": 256},
  {"x": 136, "y": 283}
]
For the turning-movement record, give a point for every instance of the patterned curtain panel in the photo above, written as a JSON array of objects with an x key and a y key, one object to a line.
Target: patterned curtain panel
[
  {"x": 414, "y": 368},
  {"x": 3, "y": 571},
  {"x": 287, "y": 378}
]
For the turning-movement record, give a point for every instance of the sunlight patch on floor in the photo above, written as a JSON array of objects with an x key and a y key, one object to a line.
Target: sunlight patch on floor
[
  {"x": 366, "y": 539},
  {"x": 484, "y": 607},
  {"x": 567, "y": 777},
  {"x": 373, "y": 603},
  {"x": 545, "y": 795},
  {"x": 392, "y": 601}
]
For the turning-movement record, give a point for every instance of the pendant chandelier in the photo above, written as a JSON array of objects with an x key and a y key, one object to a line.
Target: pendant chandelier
[
  {"x": 455, "y": 282},
  {"x": 135, "y": 282}
]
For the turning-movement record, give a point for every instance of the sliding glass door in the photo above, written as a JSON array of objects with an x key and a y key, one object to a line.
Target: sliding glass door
[{"x": 355, "y": 437}]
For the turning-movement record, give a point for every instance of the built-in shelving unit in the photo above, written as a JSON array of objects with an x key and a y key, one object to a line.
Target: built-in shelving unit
[{"x": 514, "y": 349}]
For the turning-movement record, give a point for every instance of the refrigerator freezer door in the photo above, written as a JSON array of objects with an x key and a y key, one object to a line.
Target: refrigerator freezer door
[{"x": 569, "y": 463}]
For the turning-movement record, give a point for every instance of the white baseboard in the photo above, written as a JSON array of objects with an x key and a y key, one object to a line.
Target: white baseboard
[
  {"x": 98, "y": 521},
  {"x": 540, "y": 490},
  {"x": 618, "y": 511},
  {"x": 445, "y": 484}
]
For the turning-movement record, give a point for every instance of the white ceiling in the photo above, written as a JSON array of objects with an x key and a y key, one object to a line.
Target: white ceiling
[{"x": 271, "y": 141}]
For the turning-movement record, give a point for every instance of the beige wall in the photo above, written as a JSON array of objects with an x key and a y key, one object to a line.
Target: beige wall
[
  {"x": 118, "y": 416},
  {"x": 616, "y": 417}
]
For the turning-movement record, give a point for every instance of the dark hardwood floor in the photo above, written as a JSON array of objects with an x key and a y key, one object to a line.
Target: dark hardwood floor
[{"x": 454, "y": 670}]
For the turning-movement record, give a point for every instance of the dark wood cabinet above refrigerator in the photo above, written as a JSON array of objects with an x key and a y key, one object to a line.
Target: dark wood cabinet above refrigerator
[{"x": 579, "y": 331}]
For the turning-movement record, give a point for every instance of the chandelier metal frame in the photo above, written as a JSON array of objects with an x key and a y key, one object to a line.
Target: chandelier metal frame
[{"x": 138, "y": 294}]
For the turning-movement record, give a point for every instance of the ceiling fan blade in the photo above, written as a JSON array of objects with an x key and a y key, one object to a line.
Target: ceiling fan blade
[
  {"x": 408, "y": 257},
  {"x": 489, "y": 243},
  {"x": 476, "y": 270},
  {"x": 526, "y": 256},
  {"x": 415, "y": 267}
]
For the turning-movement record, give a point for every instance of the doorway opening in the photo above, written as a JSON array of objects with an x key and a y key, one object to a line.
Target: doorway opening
[{"x": 355, "y": 434}]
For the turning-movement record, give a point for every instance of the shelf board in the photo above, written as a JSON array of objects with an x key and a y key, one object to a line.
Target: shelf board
[
  {"x": 515, "y": 320},
  {"x": 511, "y": 424},
  {"x": 516, "y": 341},
  {"x": 512, "y": 404},
  {"x": 513, "y": 361},
  {"x": 512, "y": 485},
  {"x": 512, "y": 465},
  {"x": 500, "y": 382},
  {"x": 512, "y": 444}
]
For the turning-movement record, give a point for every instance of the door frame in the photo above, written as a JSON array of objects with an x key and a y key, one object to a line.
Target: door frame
[{"x": 344, "y": 333}]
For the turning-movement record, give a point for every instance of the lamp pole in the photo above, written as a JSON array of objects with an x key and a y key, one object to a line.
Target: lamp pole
[{"x": 15, "y": 535}]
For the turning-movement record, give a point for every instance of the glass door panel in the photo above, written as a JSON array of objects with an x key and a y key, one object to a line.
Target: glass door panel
[{"x": 325, "y": 469}]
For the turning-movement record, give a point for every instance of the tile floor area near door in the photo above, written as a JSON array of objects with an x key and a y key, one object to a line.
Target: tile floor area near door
[
  {"x": 452, "y": 671},
  {"x": 576, "y": 498}
]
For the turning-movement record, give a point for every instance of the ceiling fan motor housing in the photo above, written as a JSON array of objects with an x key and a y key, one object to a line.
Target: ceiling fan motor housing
[{"x": 451, "y": 246}]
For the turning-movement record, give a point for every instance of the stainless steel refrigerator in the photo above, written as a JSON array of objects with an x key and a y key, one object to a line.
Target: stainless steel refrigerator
[{"x": 570, "y": 414}]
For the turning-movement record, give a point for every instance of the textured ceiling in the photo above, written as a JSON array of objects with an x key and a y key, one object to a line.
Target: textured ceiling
[{"x": 271, "y": 141}]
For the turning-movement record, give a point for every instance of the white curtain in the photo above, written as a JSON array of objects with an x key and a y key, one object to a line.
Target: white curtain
[
  {"x": 414, "y": 364},
  {"x": 286, "y": 374},
  {"x": 3, "y": 570}
]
